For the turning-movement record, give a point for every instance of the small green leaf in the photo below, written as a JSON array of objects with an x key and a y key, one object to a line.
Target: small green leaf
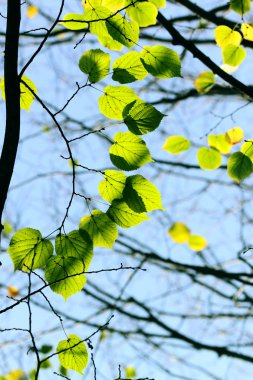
[
  {"x": 75, "y": 244},
  {"x": 179, "y": 232},
  {"x": 204, "y": 82},
  {"x": 161, "y": 62},
  {"x": 113, "y": 185},
  {"x": 96, "y": 64},
  {"x": 143, "y": 13},
  {"x": 247, "y": 149},
  {"x": 233, "y": 55},
  {"x": 209, "y": 158},
  {"x": 73, "y": 353},
  {"x": 226, "y": 36},
  {"x": 45, "y": 349},
  {"x": 124, "y": 31},
  {"x": 240, "y": 6},
  {"x": 46, "y": 364},
  {"x": 74, "y": 21},
  {"x": 176, "y": 144},
  {"x": 197, "y": 243},
  {"x": 65, "y": 275},
  {"x": 129, "y": 152},
  {"x": 129, "y": 68},
  {"x": 142, "y": 195},
  {"x": 220, "y": 143},
  {"x": 28, "y": 250},
  {"x": 102, "y": 230},
  {"x": 239, "y": 166},
  {"x": 141, "y": 117},
  {"x": 114, "y": 100},
  {"x": 124, "y": 216}
]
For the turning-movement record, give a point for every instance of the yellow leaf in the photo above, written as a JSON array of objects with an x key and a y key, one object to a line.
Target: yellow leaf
[
  {"x": 16, "y": 374},
  {"x": 130, "y": 372},
  {"x": 12, "y": 291},
  {"x": 225, "y": 36},
  {"x": 247, "y": 31},
  {"x": 31, "y": 11},
  {"x": 234, "y": 135},
  {"x": 179, "y": 232},
  {"x": 197, "y": 243}
]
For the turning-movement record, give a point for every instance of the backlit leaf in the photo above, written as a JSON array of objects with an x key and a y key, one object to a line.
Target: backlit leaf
[
  {"x": 26, "y": 96},
  {"x": 226, "y": 36},
  {"x": 65, "y": 275},
  {"x": 74, "y": 21},
  {"x": 114, "y": 100},
  {"x": 179, "y": 232},
  {"x": 204, "y": 82},
  {"x": 240, "y": 6},
  {"x": 141, "y": 117},
  {"x": 143, "y": 13},
  {"x": 128, "y": 68},
  {"x": 161, "y": 61},
  {"x": 234, "y": 135},
  {"x": 239, "y": 166},
  {"x": 75, "y": 244},
  {"x": 209, "y": 158},
  {"x": 159, "y": 3},
  {"x": 124, "y": 216},
  {"x": 113, "y": 185},
  {"x": 129, "y": 152},
  {"x": 233, "y": 55},
  {"x": 124, "y": 31},
  {"x": 220, "y": 143},
  {"x": 247, "y": 149},
  {"x": 197, "y": 243},
  {"x": 101, "y": 229},
  {"x": 96, "y": 64},
  {"x": 142, "y": 195},
  {"x": 73, "y": 353},
  {"x": 176, "y": 144},
  {"x": 28, "y": 250},
  {"x": 247, "y": 31}
]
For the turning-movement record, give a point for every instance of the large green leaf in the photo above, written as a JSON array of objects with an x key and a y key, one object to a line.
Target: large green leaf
[
  {"x": 161, "y": 61},
  {"x": 176, "y": 144},
  {"x": 129, "y": 68},
  {"x": 209, "y": 158},
  {"x": 233, "y": 55},
  {"x": 129, "y": 152},
  {"x": 141, "y": 117},
  {"x": 239, "y": 166},
  {"x": 102, "y": 230},
  {"x": 204, "y": 82},
  {"x": 96, "y": 64},
  {"x": 143, "y": 13},
  {"x": 74, "y": 21},
  {"x": 114, "y": 100},
  {"x": 123, "y": 215},
  {"x": 240, "y": 6},
  {"x": 226, "y": 36},
  {"x": 65, "y": 275},
  {"x": 73, "y": 353},
  {"x": 28, "y": 250},
  {"x": 113, "y": 185},
  {"x": 124, "y": 31},
  {"x": 75, "y": 244},
  {"x": 26, "y": 96},
  {"x": 142, "y": 195}
]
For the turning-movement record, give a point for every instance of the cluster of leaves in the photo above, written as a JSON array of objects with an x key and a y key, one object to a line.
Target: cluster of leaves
[{"x": 180, "y": 233}]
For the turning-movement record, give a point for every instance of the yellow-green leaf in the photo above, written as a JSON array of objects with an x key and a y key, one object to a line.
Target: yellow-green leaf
[
  {"x": 209, "y": 158},
  {"x": 130, "y": 372},
  {"x": 143, "y": 13},
  {"x": 247, "y": 149},
  {"x": 26, "y": 96},
  {"x": 220, "y": 143},
  {"x": 227, "y": 36},
  {"x": 161, "y": 62},
  {"x": 73, "y": 353},
  {"x": 176, "y": 144},
  {"x": 197, "y": 243},
  {"x": 247, "y": 31},
  {"x": 113, "y": 185},
  {"x": 233, "y": 55},
  {"x": 204, "y": 82},
  {"x": 234, "y": 135},
  {"x": 179, "y": 232},
  {"x": 240, "y": 6},
  {"x": 96, "y": 64},
  {"x": 123, "y": 215},
  {"x": 74, "y": 21},
  {"x": 128, "y": 68},
  {"x": 239, "y": 166},
  {"x": 124, "y": 31}
]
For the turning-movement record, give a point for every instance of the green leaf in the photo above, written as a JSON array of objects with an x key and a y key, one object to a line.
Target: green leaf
[
  {"x": 129, "y": 152},
  {"x": 197, "y": 243},
  {"x": 96, "y": 64},
  {"x": 143, "y": 13},
  {"x": 46, "y": 364},
  {"x": 124, "y": 216},
  {"x": 141, "y": 117},
  {"x": 124, "y": 31},
  {"x": 65, "y": 275},
  {"x": 26, "y": 96},
  {"x": 239, "y": 166},
  {"x": 74, "y": 21},
  {"x": 220, "y": 143},
  {"x": 240, "y": 6},
  {"x": 209, "y": 158},
  {"x": 28, "y": 250},
  {"x": 113, "y": 185},
  {"x": 73, "y": 353},
  {"x": 129, "y": 68},
  {"x": 142, "y": 195},
  {"x": 45, "y": 349},
  {"x": 247, "y": 149},
  {"x": 204, "y": 82},
  {"x": 227, "y": 36},
  {"x": 161, "y": 62},
  {"x": 102, "y": 230},
  {"x": 233, "y": 55},
  {"x": 75, "y": 244},
  {"x": 176, "y": 144},
  {"x": 114, "y": 100},
  {"x": 179, "y": 232}
]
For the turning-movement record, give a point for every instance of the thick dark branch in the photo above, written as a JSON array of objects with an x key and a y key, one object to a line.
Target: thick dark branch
[{"x": 12, "y": 93}]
